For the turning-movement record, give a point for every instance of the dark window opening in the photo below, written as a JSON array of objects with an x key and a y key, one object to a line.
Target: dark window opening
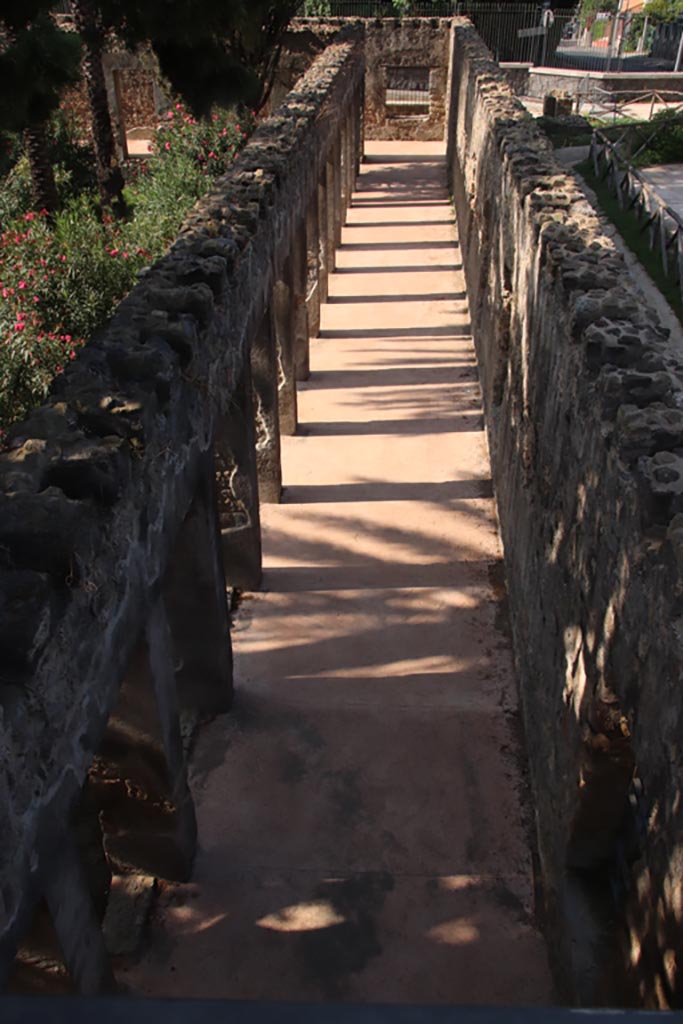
[{"x": 407, "y": 91}]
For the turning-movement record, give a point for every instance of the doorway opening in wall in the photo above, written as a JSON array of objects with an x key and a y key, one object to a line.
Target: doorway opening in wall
[{"x": 407, "y": 91}]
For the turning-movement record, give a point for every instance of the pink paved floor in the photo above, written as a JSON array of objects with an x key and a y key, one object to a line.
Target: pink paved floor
[{"x": 364, "y": 831}]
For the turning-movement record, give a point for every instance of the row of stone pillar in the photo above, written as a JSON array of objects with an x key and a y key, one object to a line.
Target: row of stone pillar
[
  {"x": 182, "y": 669},
  {"x": 279, "y": 357}
]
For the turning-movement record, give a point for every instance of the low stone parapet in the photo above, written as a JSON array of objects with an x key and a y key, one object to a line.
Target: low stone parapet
[
  {"x": 129, "y": 500},
  {"x": 584, "y": 404}
]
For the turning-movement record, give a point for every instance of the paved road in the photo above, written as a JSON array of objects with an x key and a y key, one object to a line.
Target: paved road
[{"x": 363, "y": 816}]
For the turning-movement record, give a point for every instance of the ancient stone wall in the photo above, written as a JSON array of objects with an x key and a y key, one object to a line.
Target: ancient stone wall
[
  {"x": 584, "y": 405},
  {"x": 406, "y": 77},
  {"x": 411, "y": 44},
  {"x": 304, "y": 40},
  {"x": 134, "y": 93},
  {"x": 129, "y": 499},
  {"x": 594, "y": 85}
]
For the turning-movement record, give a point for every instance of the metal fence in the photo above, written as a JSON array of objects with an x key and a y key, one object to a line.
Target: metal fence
[
  {"x": 529, "y": 33},
  {"x": 534, "y": 34},
  {"x": 377, "y": 8}
]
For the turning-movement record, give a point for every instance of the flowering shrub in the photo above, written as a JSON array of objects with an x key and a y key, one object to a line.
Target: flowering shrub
[
  {"x": 72, "y": 158},
  {"x": 34, "y": 347},
  {"x": 100, "y": 260},
  {"x": 212, "y": 144},
  {"x": 59, "y": 283}
]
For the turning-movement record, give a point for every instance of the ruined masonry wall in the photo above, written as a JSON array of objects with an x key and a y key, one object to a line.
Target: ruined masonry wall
[
  {"x": 389, "y": 42},
  {"x": 97, "y": 483},
  {"x": 584, "y": 405},
  {"x": 406, "y": 42}
]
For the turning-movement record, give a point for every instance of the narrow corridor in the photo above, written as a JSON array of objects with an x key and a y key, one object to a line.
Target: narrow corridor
[{"x": 364, "y": 825}]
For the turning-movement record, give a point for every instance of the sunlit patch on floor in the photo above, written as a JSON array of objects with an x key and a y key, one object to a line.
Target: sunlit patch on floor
[{"x": 303, "y": 917}]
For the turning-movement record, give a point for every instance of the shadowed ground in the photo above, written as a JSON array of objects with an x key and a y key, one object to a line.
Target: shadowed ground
[{"x": 363, "y": 814}]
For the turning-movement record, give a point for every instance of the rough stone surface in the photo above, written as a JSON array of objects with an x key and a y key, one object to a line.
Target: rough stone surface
[
  {"x": 130, "y": 902},
  {"x": 405, "y": 43},
  {"x": 388, "y": 43},
  {"x": 583, "y": 395},
  {"x": 96, "y": 486},
  {"x": 362, "y": 810}
]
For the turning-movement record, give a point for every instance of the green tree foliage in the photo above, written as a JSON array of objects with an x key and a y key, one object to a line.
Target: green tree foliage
[
  {"x": 663, "y": 10},
  {"x": 37, "y": 60},
  {"x": 589, "y": 9},
  {"x": 211, "y": 53}
]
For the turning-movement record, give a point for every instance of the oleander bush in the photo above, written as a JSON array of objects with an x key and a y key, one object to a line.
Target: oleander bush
[{"x": 61, "y": 280}]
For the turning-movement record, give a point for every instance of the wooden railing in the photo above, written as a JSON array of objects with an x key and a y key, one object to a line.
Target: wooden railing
[{"x": 664, "y": 227}]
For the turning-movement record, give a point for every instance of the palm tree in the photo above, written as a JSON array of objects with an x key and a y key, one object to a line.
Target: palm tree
[{"x": 36, "y": 141}]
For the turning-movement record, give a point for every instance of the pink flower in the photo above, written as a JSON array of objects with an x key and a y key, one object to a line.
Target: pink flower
[
  {"x": 167, "y": 145},
  {"x": 21, "y": 285},
  {"x": 170, "y": 115},
  {"x": 113, "y": 252}
]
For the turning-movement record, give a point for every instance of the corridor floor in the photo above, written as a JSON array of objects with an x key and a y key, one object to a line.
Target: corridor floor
[{"x": 363, "y": 819}]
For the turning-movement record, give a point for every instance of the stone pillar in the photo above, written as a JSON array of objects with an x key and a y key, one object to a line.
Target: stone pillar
[
  {"x": 330, "y": 208},
  {"x": 323, "y": 261},
  {"x": 196, "y": 601},
  {"x": 313, "y": 267},
  {"x": 237, "y": 487},
  {"x": 299, "y": 260},
  {"x": 140, "y": 774},
  {"x": 360, "y": 127},
  {"x": 346, "y": 182},
  {"x": 73, "y": 915},
  {"x": 355, "y": 134},
  {"x": 338, "y": 207},
  {"x": 283, "y": 315},
  {"x": 353, "y": 147},
  {"x": 264, "y": 369}
]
